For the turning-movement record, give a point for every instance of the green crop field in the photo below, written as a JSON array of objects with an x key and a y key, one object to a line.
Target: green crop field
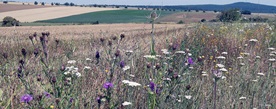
[{"x": 114, "y": 16}]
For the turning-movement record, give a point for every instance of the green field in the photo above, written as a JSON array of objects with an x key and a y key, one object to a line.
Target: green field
[{"x": 114, "y": 16}]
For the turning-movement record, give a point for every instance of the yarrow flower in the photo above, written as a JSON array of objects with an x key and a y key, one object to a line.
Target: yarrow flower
[
  {"x": 108, "y": 85},
  {"x": 130, "y": 83},
  {"x": 26, "y": 98}
]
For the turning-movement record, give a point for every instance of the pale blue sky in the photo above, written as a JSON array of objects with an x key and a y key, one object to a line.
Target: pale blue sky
[{"x": 156, "y": 2}]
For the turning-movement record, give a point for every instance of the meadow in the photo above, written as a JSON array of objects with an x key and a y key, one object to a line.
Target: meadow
[{"x": 191, "y": 66}]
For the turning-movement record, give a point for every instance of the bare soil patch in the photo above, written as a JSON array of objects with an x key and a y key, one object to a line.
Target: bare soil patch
[{"x": 15, "y": 7}]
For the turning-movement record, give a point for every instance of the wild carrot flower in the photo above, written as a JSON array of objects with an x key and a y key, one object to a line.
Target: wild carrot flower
[
  {"x": 108, "y": 85},
  {"x": 26, "y": 98}
]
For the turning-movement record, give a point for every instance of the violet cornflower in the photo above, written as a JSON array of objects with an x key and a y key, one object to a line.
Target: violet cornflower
[
  {"x": 108, "y": 85},
  {"x": 48, "y": 95},
  {"x": 97, "y": 55},
  {"x": 122, "y": 64},
  {"x": 26, "y": 98},
  {"x": 152, "y": 86},
  {"x": 190, "y": 61}
]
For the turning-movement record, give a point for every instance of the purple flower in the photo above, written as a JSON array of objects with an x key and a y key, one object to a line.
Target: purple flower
[
  {"x": 152, "y": 86},
  {"x": 122, "y": 64},
  {"x": 108, "y": 85},
  {"x": 97, "y": 55},
  {"x": 26, "y": 98},
  {"x": 99, "y": 99},
  {"x": 190, "y": 61},
  {"x": 71, "y": 100},
  {"x": 48, "y": 95}
]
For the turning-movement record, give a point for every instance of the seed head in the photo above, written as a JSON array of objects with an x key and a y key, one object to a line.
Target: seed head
[
  {"x": 23, "y": 51},
  {"x": 5, "y": 55},
  {"x": 122, "y": 36},
  {"x": 31, "y": 38},
  {"x": 97, "y": 55},
  {"x": 117, "y": 53}
]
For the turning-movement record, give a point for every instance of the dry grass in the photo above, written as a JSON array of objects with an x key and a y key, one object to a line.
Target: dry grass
[{"x": 31, "y": 15}]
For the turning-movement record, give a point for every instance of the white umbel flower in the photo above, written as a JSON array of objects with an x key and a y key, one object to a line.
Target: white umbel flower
[
  {"x": 180, "y": 52},
  {"x": 220, "y": 57},
  {"x": 272, "y": 60},
  {"x": 131, "y": 83},
  {"x": 223, "y": 69},
  {"x": 126, "y": 103},
  {"x": 188, "y": 97},
  {"x": 242, "y": 98},
  {"x": 225, "y": 53},
  {"x": 220, "y": 65},
  {"x": 253, "y": 40},
  {"x": 271, "y": 48},
  {"x": 71, "y": 62},
  {"x": 78, "y": 74},
  {"x": 126, "y": 68},
  {"x": 260, "y": 74}
]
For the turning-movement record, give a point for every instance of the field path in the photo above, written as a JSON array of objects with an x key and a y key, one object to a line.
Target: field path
[{"x": 31, "y": 15}]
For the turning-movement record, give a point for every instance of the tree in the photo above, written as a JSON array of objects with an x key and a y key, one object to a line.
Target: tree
[
  {"x": 52, "y": 4},
  {"x": 246, "y": 12},
  {"x": 35, "y": 3},
  {"x": 72, "y": 4},
  {"x": 10, "y": 21},
  {"x": 43, "y": 3},
  {"x": 5, "y": 2},
  {"x": 66, "y": 4},
  {"x": 230, "y": 15},
  {"x": 57, "y": 4},
  {"x": 203, "y": 20}
]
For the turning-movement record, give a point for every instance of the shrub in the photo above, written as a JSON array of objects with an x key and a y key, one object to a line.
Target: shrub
[
  {"x": 10, "y": 21},
  {"x": 5, "y": 2},
  {"x": 35, "y": 3},
  {"x": 180, "y": 22},
  {"x": 42, "y": 3},
  {"x": 230, "y": 15},
  {"x": 203, "y": 20},
  {"x": 246, "y": 12}
]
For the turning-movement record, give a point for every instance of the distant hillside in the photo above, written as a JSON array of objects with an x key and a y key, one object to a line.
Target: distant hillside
[{"x": 255, "y": 8}]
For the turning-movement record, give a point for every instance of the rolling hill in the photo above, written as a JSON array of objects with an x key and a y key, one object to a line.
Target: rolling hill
[{"x": 255, "y": 8}]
